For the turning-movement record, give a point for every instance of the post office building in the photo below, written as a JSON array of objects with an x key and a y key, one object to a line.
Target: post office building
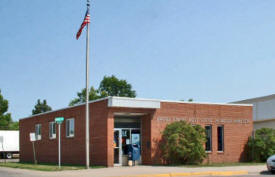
[{"x": 117, "y": 122}]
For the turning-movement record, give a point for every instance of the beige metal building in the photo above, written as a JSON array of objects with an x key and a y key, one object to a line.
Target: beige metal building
[{"x": 263, "y": 111}]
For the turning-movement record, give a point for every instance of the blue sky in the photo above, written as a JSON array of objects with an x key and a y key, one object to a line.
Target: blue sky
[{"x": 213, "y": 51}]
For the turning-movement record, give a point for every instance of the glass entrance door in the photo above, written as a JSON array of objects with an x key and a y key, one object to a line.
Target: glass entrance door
[
  {"x": 123, "y": 137},
  {"x": 117, "y": 147}
]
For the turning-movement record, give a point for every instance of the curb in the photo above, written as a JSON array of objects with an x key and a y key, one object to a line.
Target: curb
[{"x": 206, "y": 173}]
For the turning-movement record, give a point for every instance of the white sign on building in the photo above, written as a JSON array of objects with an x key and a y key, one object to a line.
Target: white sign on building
[{"x": 32, "y": 137}]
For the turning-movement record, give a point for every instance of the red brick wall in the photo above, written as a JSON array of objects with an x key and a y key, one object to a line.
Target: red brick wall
[
  {"x": 47, "y": 149},
  {"x": 99, "y": 125},
  {"x": 235, "y": 134},
  {"x": 102, "y": 125},
  {"x": 146, "y": 139},
  {"x": 73, "y": 149}
]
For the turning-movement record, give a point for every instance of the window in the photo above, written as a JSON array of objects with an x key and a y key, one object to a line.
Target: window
[
  {"x": 38, "y": 131},
  {"x": 52, "y": 130},
  {"x": 208, "y": 133},
  {"x": 220, "y": 138},
  {"x": 70, "y": 127}
]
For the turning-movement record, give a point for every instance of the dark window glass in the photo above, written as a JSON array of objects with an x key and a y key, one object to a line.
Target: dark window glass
[
  {"x": 70, "y": 127},
  {"x": 220, "y": 138},
  {"x": 208, "y": 133},
  {"x": 125, "y": 141},
  {"x": 38, "y": 131},
  {"x": 52, "y": 130},
  {"x": 127, "y": 125}
]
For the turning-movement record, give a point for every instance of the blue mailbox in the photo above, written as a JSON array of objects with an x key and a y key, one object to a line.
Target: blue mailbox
[{"x": 134, "y": 152}]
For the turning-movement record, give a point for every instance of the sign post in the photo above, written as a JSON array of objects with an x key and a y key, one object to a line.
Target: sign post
[
  {"x": 33, "y": 139},
  {"x": 59, "y": 121}
]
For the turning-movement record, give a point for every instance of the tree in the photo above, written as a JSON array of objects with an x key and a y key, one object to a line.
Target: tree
[
  {"x": 41, "y": 107},
  {"x": 14, "y": 125},
  {"x": 109, "y": 86},
  {"x": 115, "y": 87},
  {"x": 183, "y": 143},
  {"x": 262, "y": 145},
  {"x": 6, "y": 122},
  {"x": 93, "y": 95},
  {"x": 5, "y": 118},
  {"x": 189, "y": 100}
]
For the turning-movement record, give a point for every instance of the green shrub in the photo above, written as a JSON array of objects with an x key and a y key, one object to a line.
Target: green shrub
[
  {"x": 262, "y": 145},
  {"x": 183, "y": 143}
]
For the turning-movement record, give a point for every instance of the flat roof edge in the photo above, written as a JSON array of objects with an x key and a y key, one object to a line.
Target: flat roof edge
[
  {"x": 255, "y": 99},
  {"x": 150, "y": 103},
  {"x": 264, "y": 120},
  {"x": 173, "y": 101},
  {"x": 68, "y": 107},
  {"x": 209, "y": 103},
  {"x": 126, "y": 102}
]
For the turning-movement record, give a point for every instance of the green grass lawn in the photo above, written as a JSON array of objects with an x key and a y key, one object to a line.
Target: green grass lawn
[{"x": 43, "y": 167}]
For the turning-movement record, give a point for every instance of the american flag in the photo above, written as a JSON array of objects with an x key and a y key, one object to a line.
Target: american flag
[{"x": 84, "y": 23}]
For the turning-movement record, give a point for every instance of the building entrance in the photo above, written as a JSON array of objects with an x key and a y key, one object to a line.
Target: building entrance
[{"x": 126, "y": 133}]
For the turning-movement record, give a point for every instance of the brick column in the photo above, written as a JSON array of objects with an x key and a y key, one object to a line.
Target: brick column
[
  {"x": 146, "y": 139},
  {"x": 110, "y": 140}
]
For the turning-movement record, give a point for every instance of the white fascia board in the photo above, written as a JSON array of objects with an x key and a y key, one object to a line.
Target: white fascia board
[{"x": 133, "y": 103}]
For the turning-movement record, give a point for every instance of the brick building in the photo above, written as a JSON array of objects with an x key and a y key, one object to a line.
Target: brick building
[{"x": 116, "y": 122}]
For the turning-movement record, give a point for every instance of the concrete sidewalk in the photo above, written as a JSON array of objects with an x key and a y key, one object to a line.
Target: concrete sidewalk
[{"x": 144, "y": 171}]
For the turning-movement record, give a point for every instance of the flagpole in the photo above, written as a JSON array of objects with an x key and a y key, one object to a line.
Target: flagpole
[{"x": 87, "y": 94}]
